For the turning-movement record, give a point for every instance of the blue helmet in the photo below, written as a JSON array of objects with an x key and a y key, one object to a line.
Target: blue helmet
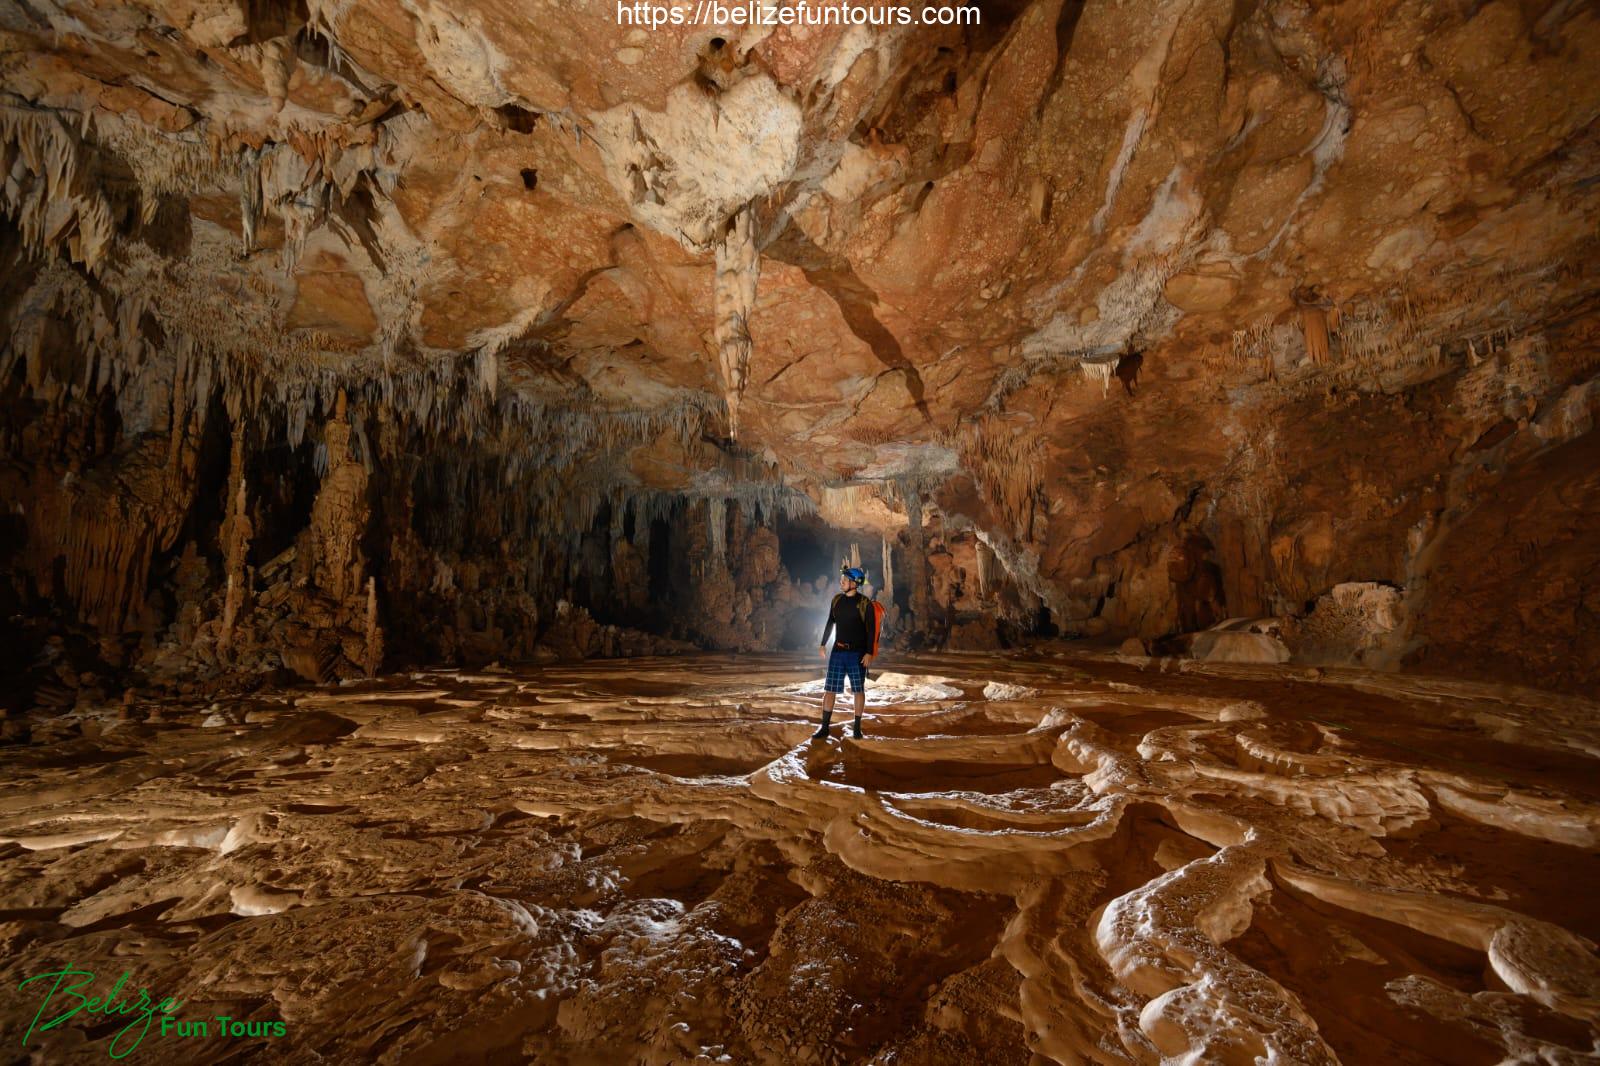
[{"x": 854, "y": 573}]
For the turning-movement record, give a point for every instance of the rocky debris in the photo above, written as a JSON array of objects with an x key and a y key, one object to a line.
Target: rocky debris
[{"x": 576, "y": 635}]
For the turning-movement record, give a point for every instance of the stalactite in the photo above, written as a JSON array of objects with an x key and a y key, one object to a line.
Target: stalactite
[
  {"x": 738, "y": 265},
  {"x": 488, "y": 370},
  {"x": 249, "y": 196},
  {"x": 1261, "y": 345},
  {"x": 92, "y": 540},
  {"x": 47, "y": 186},
  {"x": 717, "y": 527},
  {"x": 1008, "y": 468},
  {"x": 888, "y": 573},
  {"x": 1314, "y": 324},
  {"x": 1400, "y": 331},
  {"x": 614, "y": 534},
  {"x": 1101, "y": 372},
  {"x": 759, "y": 495}
]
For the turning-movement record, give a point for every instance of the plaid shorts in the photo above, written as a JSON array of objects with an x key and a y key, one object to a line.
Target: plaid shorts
[{"x": 842, "y": 664}]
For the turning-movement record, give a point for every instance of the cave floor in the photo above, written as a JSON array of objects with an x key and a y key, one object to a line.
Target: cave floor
[{"x": 1058, "y": 854}]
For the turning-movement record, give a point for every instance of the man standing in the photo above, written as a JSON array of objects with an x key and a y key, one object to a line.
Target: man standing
[{"x": 853, "y": 620}]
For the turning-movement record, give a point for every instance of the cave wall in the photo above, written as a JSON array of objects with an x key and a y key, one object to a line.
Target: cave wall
[
  {"x": 1512, "y": 592},
  {"x": 1147, "y": 522},
  {"x": 337, "y": 338},
  {"x": 334, "y": 541}
]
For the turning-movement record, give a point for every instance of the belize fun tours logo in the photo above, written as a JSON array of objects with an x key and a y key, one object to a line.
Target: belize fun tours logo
[{"x": 69, "y": 997}]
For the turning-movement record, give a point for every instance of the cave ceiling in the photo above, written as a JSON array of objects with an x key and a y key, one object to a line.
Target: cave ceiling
[{"x": 1078, "y": 237}]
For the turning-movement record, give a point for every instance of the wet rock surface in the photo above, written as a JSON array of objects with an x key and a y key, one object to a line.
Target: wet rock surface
[{"x": 1055, "y": 856}]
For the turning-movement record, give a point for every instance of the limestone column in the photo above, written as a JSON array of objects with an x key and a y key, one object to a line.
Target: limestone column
[{"x": 236, "y": 532}]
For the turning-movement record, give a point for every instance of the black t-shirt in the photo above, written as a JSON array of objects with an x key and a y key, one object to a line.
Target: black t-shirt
[{"x": 846, "y": 622}]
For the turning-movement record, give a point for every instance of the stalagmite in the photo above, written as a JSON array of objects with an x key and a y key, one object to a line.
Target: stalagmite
[
  {"x": 339, "y": 514},
  {"x": 372, "y": 637}
]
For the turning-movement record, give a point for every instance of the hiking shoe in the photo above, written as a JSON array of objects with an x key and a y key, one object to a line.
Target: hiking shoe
[
  {"x": 856, "y": 729},
  {"x": 821, "y": 734}
]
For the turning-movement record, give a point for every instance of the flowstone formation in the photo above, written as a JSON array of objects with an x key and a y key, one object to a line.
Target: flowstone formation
[
  {"x": 1107, "y": 320},
  {"x": 1053, "y": 858}
]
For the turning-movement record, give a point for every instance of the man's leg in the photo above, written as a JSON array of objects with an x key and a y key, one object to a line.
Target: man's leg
[
  {"x": 858, "y": 686},
  {"x": 827, "y": 710},
  {"x": 832, "y": 685}
]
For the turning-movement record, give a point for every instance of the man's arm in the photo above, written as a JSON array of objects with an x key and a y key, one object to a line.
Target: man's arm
[{"x": 828, "y": 625}]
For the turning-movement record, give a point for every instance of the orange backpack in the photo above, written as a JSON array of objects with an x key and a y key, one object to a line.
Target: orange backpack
[
  {"x": 874, "y": 620},
  {"x": 875, "y": 624}
]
